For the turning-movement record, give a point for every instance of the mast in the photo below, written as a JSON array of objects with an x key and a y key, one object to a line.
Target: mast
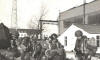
[
  {"x": 58, "y": 23},
  {"x": 14, "y": 15},
  {"x": 84, "y": 3}
]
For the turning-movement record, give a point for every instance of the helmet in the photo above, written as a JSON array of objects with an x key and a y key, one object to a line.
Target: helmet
[
  {"x": 78, "y": 33},
  {"x": 53, "y": 36},
  {"x": 15, "y": 34}
]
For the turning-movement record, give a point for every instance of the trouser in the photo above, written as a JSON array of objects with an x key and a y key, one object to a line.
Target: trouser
[
  {"x": 82, "y": 56},
  {"x": 25, "y": 56}
]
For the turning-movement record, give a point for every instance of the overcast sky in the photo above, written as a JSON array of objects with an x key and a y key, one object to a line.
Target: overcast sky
[{"x": 30, "y": 10}]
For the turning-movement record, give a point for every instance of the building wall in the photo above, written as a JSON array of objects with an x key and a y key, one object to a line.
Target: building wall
[
  {"x": 71, "y": 38},
  {"x": 25, "y": 32},
  {"x": 22, "y": 34},
  {"x": 90, "y": 7},
  {"x": 75, "y": 15}
]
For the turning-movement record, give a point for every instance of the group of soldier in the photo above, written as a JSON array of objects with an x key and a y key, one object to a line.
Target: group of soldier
[{"x": 30, "y": 48}]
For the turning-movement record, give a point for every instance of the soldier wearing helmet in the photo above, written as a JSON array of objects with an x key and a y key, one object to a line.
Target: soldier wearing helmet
[
  {"x": 53, "y": 53},
  {"x": 80, "y": 47},
  {"x": 15, "y": 35}
]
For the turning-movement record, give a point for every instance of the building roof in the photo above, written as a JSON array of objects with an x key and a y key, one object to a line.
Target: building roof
[
  {"x": 90, "y": 8},
  {"x": 77, "y": 6},
  {"x": 3, "y": 26},
  {"x": 92, "y": 29},
  {"x": 30, "y": 31}
]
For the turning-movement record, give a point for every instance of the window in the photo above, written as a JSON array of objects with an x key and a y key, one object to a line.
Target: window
[
  {"x": 98, "y": 41},
  {"x": 78, "y": 20},
  {"x": 66, "y": 41},
  {"x": 68, "y": 22},
  {"x": 94, "y": 19}
]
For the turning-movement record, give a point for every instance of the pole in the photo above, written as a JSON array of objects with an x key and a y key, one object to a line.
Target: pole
[
  {"x": 84, "y": 3},
  {"x": 14, "y": 14},
  {"x": 41, "y": 29},
  {"x": 41, "y": 25},
  {"x": 16, "y": 17},
  {"x": 59, "y": 23}
]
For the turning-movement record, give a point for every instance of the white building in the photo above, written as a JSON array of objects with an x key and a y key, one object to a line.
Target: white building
[
  {"x": 88, "y": 30},
  {"x": 26, "y": 32}
]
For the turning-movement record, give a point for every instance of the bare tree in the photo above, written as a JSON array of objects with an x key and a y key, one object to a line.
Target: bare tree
[
  {"x": 35, "y": 20},
  {"x": 33, "y": 23},
  {"x": 43, "y": 12}
]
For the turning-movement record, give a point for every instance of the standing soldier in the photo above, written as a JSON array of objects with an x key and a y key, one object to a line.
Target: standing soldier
[
  {"x": 15, "y": 38},
  {"x": 26, "y": 49},
  {"x": 80, "y": 47},
  {"x": 36, "y": 50},
  {"x": 53, "y": 53},
  {"x": 92, "y": 47}
]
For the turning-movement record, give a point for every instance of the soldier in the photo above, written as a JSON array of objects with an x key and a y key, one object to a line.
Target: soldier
[
  {"x": 36, "y": 50},
  {"x": 62, "y": 53},
  {"x": 14, "y": 46},
  {"x": 26, "y": 49},
  {"x": 92, "y": 47},
  {"x": 80, "y": 45},
  {"x": 55, "y": 42},
  {"x": 53, "y": 51}
]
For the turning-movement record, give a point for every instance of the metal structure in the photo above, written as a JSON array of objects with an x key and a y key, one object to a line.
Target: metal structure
[
  {"x": 84, "y": 3},
  {"x": 14, "y": 14},
  {"x": 84, "y": 9},
  {"x": 59, "y": 23},
  {"x": 42, "y": 22}
]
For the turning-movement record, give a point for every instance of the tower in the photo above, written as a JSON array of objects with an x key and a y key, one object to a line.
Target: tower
[{"x": 14, "y": 14}]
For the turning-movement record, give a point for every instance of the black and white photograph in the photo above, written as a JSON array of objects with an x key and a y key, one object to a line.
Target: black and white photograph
[{"x": 49, "y": 29}]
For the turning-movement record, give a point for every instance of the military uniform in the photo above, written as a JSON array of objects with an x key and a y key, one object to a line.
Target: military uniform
[
  {"x": 54, "y": 47},
  {"x": 80, "y": 47},
  {"x": 36, "y": 54}
]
